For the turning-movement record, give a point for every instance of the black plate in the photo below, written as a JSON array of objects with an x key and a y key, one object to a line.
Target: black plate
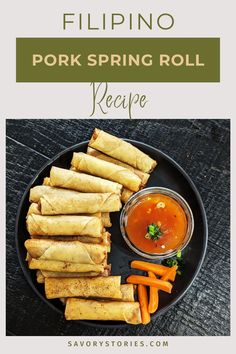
[{"x": 168, "y": 174}]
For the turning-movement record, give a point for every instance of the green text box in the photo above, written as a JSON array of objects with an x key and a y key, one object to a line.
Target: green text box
[{"x": 193, "y": 52}]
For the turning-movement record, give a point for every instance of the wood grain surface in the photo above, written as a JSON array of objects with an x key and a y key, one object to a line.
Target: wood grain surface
[{"x": 201, "y": 147}]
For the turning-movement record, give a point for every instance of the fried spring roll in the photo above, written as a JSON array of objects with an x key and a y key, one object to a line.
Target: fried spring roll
[
  {"x": 39, "y": 276},
  {"x": 104, "y": 240},
  {"x": 127, "y": 292},
  {"x": 106, "y": 220},
  {"x": 121, "y": 150},
  {"x": 66, "y": 225},
  {"x": 81, "y": 309},
  {"x": 60, "y": 266},
  {"x": 71, "y": 202},
  {"x": 108, "y": 170},
  {"x": 85, "y": 239},
  {"x": 71, "y": 251},
  {"x": 34, "y": 209},
  {"x": 50, "y": 274},
  {"x": 142, "y": 175},
  {"x": 126, "y": 194},
  {"x": 105, "y": 273},
  {"x": 38, "y": 191},
  {"x": 42, "y": 274},
  {"x": 82, "y": 182},
  {"x": 99, "y": 287}
]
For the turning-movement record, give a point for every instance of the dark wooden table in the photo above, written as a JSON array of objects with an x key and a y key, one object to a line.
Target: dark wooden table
[{"x": 201, "y": 147}]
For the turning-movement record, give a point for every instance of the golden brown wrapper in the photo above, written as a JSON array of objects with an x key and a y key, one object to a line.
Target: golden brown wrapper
[
  {"x": 121, "y": 150},
  {"x": 81, "y": 309},
  {"x": 85, "y": 239},
  {"x": 38, "y": 191},
  {"x": 50, "y": 274},
  {"x": 127, "y": 291},
  {"x": 39, "y": 277},
  {"x": 108, "y": 170},
  {"x": 60, "y": 266},
  {"x": 126, "y": 194},
  {"x": 99, "y": 287},
  {"x": 67, "y": 202},
  {"x": 142, "y": 175},
  {"x": 67, "y": 251},
  {"x": 82, "y": 182},
  {"x": 66, "y": 225},
  {"x": 46, "y": 181},
  {"x": 106, "y": 220},
  {"x": 34, "y": 209},
  {"x": 105, "y": 240}
]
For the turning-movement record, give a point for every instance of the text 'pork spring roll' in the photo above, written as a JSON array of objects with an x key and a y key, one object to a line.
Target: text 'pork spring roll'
[
  {"x": 99, "y": 287},
  {"x": 121, "y": 150},
  {"x": 82, "y": 182},
  {"x": 142, "y": 175},
  {"x": 71, "y": 202},
  {"x": 81, "y": 309},
  {"x": 108, "y": 170},
  {"x": 71, "y": 251},
  {"x": 71, "y": 225}
]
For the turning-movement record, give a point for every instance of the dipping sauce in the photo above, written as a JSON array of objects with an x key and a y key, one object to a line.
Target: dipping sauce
[{"x": 156, "y": 224}]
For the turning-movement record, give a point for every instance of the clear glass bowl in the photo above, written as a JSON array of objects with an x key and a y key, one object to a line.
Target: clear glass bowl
[{"x": 136, "y": 198}]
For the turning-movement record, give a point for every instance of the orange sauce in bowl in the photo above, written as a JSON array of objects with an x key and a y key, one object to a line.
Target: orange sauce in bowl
[{"x": 163, "y": 211}]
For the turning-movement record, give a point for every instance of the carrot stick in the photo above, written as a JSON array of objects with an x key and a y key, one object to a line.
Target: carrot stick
[
  {"x": 153, "y": 296},
  {"x": 143, "y": 301},
  {"x": 158, "y": 269},
  {"x": 157, "y": 283},
  {"x": 170, "y": 273}
]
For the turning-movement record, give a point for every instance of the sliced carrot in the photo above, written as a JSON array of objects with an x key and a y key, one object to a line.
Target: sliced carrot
[
  {"x": 143, "y": 301},
  {"x": 153, "y": 296},
  {"x": 158, "y": 269},
  {"x": 171, "y": 273},
  {"x": 157, "y": 283}
]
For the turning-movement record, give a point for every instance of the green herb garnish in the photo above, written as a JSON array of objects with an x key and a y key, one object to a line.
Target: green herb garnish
[
  {"x": 177, "y": 260},
  {"x": 178, "y": 254},
  {"x": 154, "y": 231}
]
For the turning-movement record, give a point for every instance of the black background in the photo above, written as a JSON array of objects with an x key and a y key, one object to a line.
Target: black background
[{"x": 201, "y": 147}]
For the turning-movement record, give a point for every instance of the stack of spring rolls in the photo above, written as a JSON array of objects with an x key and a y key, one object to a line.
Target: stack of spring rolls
[
  {"x": 116, "y": 160},
  {"x": 97, "y": 298},
  {"x": 67, "y": 220}
]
